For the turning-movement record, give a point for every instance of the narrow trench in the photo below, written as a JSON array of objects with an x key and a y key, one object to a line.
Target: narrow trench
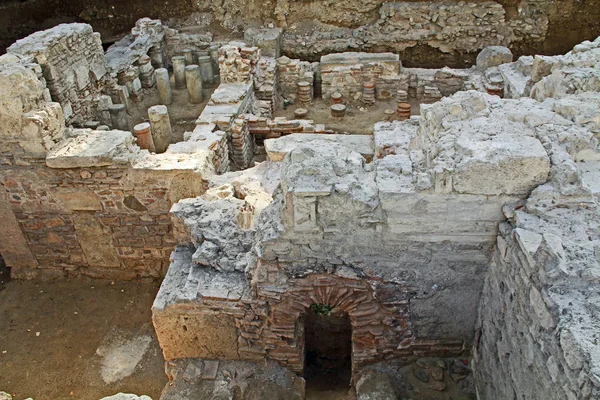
[{"x": 328, "y": 357}]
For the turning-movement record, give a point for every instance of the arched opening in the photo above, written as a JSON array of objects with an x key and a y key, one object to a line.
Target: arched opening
[{"x": 328, "y": 350}]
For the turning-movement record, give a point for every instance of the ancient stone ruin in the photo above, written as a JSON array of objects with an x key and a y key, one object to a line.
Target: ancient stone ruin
[{"x": 422, "y": 233}]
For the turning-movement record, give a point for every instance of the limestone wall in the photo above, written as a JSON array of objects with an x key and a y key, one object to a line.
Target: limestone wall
[{"x": 537, "y": 328}]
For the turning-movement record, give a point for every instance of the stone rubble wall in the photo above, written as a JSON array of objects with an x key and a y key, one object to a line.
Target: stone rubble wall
[
  {"x": 237, "y": 62},
  {"x": 73, "y": 65},
  {"x": 429, "y": 85},
  {"x": 537, "y": 331},
  {"x": 146, "y": 35},
  {"x": 176, "y": 41},
  {"x": 574, "y": 73},
  {"x": 317, "y": 28},
  {"x": 447, "y": 26}
]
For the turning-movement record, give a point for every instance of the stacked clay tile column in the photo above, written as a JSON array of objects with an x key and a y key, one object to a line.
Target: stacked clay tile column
[
  {"x": 242, "y": 143},
  {"x": 368, "y": 95},
  {"x": 403, "y": 111}
]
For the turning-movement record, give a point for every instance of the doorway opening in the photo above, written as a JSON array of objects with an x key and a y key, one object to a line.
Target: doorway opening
[
  {"x": 4, "y": 273},
  {"x": 328, "y": 350}
]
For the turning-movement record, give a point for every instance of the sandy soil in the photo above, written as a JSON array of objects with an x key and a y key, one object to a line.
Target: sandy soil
[
  {"x": 65, "y": 340},
  {"x": 359, "y": 119}
]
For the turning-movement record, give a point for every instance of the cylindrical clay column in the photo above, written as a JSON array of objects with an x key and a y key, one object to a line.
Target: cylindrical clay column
[
  {"x": 161, "y": 127},
  {"x": 193, "y": 81},
  {"x": 179, "y": 71},
  {"x": 164, "y": 86},
  {"x": 118, "y": 117},
  {"x": 213, "y": 52},
  {"x": 156, "y": 57},
  {"x": 206, "y": 69},
  {"x": 189, "y": 56},
  {"x": 144, "y": 136}
]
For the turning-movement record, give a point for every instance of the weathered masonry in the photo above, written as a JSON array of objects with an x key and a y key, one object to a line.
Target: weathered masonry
[{"x": 463, "y": 222}]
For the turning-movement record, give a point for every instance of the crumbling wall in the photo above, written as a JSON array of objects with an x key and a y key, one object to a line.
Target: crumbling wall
[
  {"x": 95, "y": 213},
  {"x": 82, "y": 201},
  {"x": 73, "y": 65},
  {"x": 290, "y": 72},
  {"x": 346, "y": 72},
  {"x": 537, "y": 332}
]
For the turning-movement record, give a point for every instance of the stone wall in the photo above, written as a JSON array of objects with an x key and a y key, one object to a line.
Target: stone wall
[
  {"x": 101, "y": 220},
  {"x": 73, "y": 65},
  {"x": 535, "y": 337},
  {"x": 266, "y": 87},
  {"x": 399, "y": 244},
  {"x": 316, "y": 28},
  {"x": 537, "y": 332},
  {"x": 77, "y": 201}
]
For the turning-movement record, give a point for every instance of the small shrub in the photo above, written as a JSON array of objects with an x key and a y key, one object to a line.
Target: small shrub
[{"x": 321, "y": 309}]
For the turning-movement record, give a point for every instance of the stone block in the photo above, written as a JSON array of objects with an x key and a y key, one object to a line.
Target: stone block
[
  {"x": 493, "y": 56},
  {"x": 92, "y": 149},
  {"x": 96, "y": 241},
  {"x": 78, "y": 199},
  {"x": 267, "y": 40},
  {"x": 506, "y": 164},
  {"x": 277, "y": 149}
]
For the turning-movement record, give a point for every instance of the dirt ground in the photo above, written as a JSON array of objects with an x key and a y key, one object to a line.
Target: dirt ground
[
  {"x": 359, "y": 119},
  {"x": 78, "y": 339},
  {"x": 182, "y": 113}
]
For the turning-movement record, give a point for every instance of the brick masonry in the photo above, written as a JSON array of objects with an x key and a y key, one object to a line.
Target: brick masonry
[{"x": 90, "y": 221}]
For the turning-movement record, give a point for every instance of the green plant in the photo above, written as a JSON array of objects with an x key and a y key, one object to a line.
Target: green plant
[{"x": 321, "y": 309}]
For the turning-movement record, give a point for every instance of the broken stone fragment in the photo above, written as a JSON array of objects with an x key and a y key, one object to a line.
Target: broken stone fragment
[
  {"x": 421, "y": 374},
  {"x": 437, "y": 373},
  {"x": 126, "y": 396},
  {"x": 492, "y": 56},
  {"x": 439, "y": 386},
  {"x": 375, "y": 385}
]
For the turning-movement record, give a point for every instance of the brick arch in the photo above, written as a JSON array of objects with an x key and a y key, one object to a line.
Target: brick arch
[{"x": 284, "y": 334}]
